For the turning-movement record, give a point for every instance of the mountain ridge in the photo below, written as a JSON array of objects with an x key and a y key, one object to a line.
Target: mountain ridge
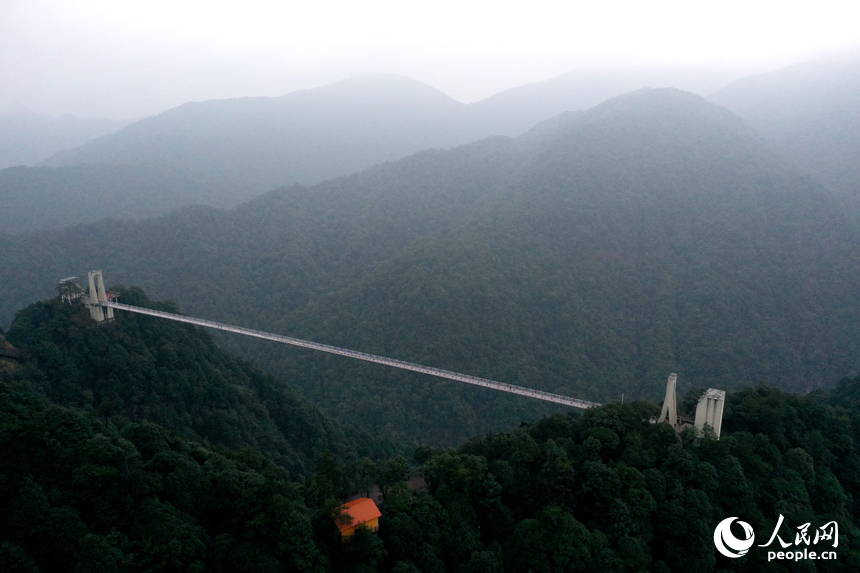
[
  {"x": 27, "y": 137},
  {"x": 808, "y": 112},
  {"x": 223, "y": 152},
  {"x": 589, "y": 258}
]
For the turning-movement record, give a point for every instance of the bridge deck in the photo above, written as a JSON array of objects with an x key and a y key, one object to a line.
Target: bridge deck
[{"x": 522, "y": 391}]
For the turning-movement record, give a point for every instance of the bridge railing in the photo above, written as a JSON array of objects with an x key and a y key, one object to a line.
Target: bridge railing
[{"x": 466, "y": 378}]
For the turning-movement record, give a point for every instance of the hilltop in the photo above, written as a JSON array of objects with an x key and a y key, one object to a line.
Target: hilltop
[
  {"x": 146, "y": 370},
  {"x": 138, "y": 445}
]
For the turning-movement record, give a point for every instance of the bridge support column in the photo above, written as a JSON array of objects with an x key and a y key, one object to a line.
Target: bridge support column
[
  {"x": 97, "y": 295},
  {"x": 670, "y": 408},
  {"x": 710, "y": 411}
]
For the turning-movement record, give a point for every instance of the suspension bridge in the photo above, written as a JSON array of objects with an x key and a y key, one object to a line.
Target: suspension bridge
[{"x": 101, "y": 307}]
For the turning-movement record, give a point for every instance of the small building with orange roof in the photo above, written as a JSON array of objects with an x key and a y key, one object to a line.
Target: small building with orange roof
[{"x": 363, "y": 512}]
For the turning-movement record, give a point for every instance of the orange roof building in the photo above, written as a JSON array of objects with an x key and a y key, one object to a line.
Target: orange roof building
[{"x": 363, "y": 511}]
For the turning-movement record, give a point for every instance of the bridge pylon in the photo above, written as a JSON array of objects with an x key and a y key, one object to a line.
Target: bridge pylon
[
  {"x": 709, "y": 410},
  {"x": 98, "y": 296}
]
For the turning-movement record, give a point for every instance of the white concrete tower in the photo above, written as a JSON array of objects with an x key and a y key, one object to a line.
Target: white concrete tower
[
  {"x": 98, "y": 296},
  {"x": 710, "y": 411},
  {"x": 670, "y": 408}
]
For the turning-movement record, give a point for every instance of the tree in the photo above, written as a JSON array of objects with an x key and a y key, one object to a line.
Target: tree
[
  {"x": 365, "y": 474},
  {"x": 395, "y": 470}
]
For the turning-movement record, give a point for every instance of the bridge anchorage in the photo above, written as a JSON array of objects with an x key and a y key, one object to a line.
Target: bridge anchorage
[{"x": 102, "y": 304}]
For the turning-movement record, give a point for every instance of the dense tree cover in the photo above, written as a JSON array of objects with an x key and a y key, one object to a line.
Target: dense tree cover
[
  {"x": 608, "y": 491},
  {"x": 152, "y": 370},
  {"x": 603, "y": 491},
  {"x": 81, "y": 494},
  {"x": 590, "y": 257},
  {"x": 137, "y": 445},
  {"x": 42, "y": 198}
]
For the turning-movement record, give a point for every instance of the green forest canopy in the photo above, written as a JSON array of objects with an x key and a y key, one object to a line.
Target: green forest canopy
[
  {"x": 84, "y": 488},
  {"x": 590, "y": 257}
]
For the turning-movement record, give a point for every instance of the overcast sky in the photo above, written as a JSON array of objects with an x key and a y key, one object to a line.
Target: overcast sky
[{"x": 129, "y": 58}]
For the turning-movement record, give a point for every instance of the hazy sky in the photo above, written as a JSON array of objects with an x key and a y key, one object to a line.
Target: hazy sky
[{"x": 129, "y": 58}]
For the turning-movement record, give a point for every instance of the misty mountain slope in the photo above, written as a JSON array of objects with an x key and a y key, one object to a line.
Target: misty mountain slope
[
  {"x": 223, "y": 152},
  {"x": 304, "y": 137},
  {"x": 587, "y": 277},
  {"x": 592, "y": 256},
  {"x": 516, "y": 110},
  {"x": 387, "y": 115},
  {"x": 809, "y": 111},
  {"x": 27, "y": 137},
  {"x": 42, "y": 198}
]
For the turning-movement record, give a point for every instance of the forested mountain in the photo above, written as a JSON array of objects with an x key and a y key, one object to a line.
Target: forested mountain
[
  {"x": 810, "y": 112},
  {"x": 223, "y": 152},
  {"x": 590, "y": 257},
  {"x": 606, "y": 491},
  {"x": 517, "y": 109},
  {"x": 304, "y": 136},
  {"x": 156, "y": 371},
  {"x": 88, "y": 486},
  {"x": 42, "y": 198},
  {"x": 26, "y": 137},
  {"x": 138, "y": 445}
]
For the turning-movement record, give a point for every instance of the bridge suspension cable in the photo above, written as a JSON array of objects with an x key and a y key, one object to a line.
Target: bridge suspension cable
[{"x": 522, "y": 391}]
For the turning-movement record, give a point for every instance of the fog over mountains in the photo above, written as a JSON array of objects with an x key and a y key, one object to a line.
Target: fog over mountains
[
  {"x": 223, "y": 152},
  {"x": 811, "y": 113},
  {"x": 587, "y": 255},
  {"x": 590, "y": 256},
  {"x": 27, "y": 137},
  {"x": 227, "y": 151},
  {"x": 655, "y": 212}
]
